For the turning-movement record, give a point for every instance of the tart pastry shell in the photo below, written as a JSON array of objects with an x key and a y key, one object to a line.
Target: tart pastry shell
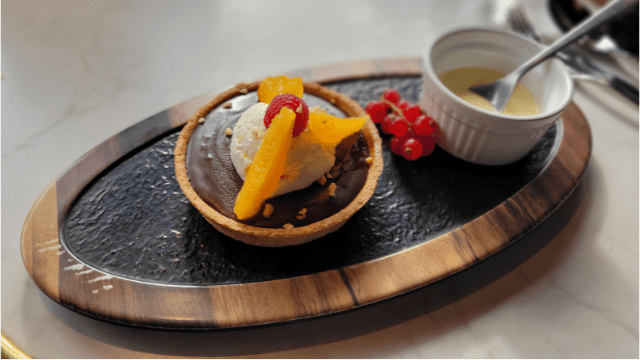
[{"x": 280, "y": 237}]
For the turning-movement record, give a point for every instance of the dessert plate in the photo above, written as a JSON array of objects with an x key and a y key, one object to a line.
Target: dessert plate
[{"x": 114, "y": 237}]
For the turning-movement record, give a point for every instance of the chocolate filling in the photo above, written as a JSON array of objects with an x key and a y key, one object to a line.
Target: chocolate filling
[{"x": 214, "y": 178}]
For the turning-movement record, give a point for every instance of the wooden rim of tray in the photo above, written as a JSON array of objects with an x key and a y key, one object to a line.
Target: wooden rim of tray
[{"x": 236, "y": 305}]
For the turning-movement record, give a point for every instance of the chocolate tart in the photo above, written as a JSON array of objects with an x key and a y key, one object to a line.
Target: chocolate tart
[{"x": 277, "y": 237}]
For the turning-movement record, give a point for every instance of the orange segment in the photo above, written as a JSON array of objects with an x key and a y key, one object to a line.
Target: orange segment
[
  {"x": 264, "y": 173},
  {"x": 331, "y": 130},
  {"x": 276, "y": 85}
]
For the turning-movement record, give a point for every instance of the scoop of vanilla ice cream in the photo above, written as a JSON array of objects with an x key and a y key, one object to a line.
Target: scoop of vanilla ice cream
[
  {"x": 247, "y": 136},
  {"x": 306, "y": 162}
]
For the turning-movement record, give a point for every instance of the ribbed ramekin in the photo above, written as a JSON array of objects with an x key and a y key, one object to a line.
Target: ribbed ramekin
[{"x": 477, "y": 135}]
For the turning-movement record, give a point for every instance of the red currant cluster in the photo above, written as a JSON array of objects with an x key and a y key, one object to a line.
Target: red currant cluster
[{"x": 411, "y": 128}]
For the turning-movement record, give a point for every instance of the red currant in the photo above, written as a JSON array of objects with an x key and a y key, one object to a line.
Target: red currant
[
  {"x": 292, "y": 102},
  {"x": 377, "y": 110},
  {"x": 412, "y": 112},
  {"x": 399, "y": 127},
  {"x": 396, "y": 144},
  {"x": 428, "y": 144},
  {"x": 392, "y": 96},
  {"x": 387, "y": 123},
  {"x": 415, "y": 134},
  {"x": 411, "y": 149},
  {"x": 403, "y": 105},
  {"x": 423, "y": 126},
  {"x": 437, "y": 133}
]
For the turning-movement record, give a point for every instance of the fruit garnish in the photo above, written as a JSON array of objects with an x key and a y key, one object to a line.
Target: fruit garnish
[
  {"x": 273, "y": 86},
  {"x": 428, "y": 144},
  {"x": 437, "y": 134},
  {"x": 331, "y": 130},
  {"x": 414, "y": 132},
  {"x": 377, "y": 110},
  {"x": 411, "y": 149},
  {"x": 403, "y": 105},
  {"x": 399, "y": 127},
  {"x": 392, "y": 96},
  {"x": 396, "y": 144},
  {"x": 268, "y": 164},
  {"x": 387, "y": 122},
  {"x": 412, "y": 112},
  {"x": 423, "y": 126},
  {"x": 292, "y": 102}
]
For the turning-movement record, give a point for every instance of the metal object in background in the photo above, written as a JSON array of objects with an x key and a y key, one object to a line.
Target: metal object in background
[
  {"x": 585, "y": 63},
  {"x": 499, "y": 92}
]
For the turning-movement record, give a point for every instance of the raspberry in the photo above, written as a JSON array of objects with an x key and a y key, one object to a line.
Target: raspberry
[
  {"x": 392, "y": 96},
  {"x": 377, "y": 110},
  {"x": 411, "y": 149},
  {"x": 399, "y": 127},
  {"x": 292, "y": 102},
  {"x": 423, "y": 126},
  {"x": 412, "y": 112}
]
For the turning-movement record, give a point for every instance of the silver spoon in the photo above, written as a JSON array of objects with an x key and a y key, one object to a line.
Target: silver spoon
[{"x": 499, "y": 92}]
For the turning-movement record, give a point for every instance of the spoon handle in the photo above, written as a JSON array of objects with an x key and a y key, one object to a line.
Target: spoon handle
[{"x": 612, "y": 9}]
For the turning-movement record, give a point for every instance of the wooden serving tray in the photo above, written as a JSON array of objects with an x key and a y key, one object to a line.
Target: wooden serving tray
[{"x": 112, "y": 238}]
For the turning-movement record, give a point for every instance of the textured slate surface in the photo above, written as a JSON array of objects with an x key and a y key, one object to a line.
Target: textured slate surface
[{"x": 133, "y": 221}]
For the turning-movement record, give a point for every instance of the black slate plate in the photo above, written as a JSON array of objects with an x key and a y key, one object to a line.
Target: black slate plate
[{"x": 134, "y": 221}]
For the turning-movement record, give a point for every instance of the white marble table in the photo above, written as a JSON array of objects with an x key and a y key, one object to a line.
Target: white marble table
[{"x": 75, "y": 73}]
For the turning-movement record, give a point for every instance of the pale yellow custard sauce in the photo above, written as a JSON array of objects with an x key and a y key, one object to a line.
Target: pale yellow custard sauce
[{"x": 459, "y": 80}]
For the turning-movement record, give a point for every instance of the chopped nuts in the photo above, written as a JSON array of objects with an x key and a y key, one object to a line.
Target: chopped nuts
[
  {"x": 228, "y": 131},
  {"x": 227, "y": 105},
  {"x": 322, "y": 180},
  {"x": 369, "y": 160},
  {"x": 302, "y": 214},
  {"x": 299, "y": 109},
  {"x": 332, "y": 189},
  {"x": 287, "y": 226},
  {"x": 334, "y": 171},
  {"x": 243, "y": 91},
  {"x": 201, "y": 120},
  {"x": 268, "y": 210}
]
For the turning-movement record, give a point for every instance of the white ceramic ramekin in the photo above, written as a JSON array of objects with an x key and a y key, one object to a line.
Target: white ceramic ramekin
[{"x": 478, "y": 135}]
